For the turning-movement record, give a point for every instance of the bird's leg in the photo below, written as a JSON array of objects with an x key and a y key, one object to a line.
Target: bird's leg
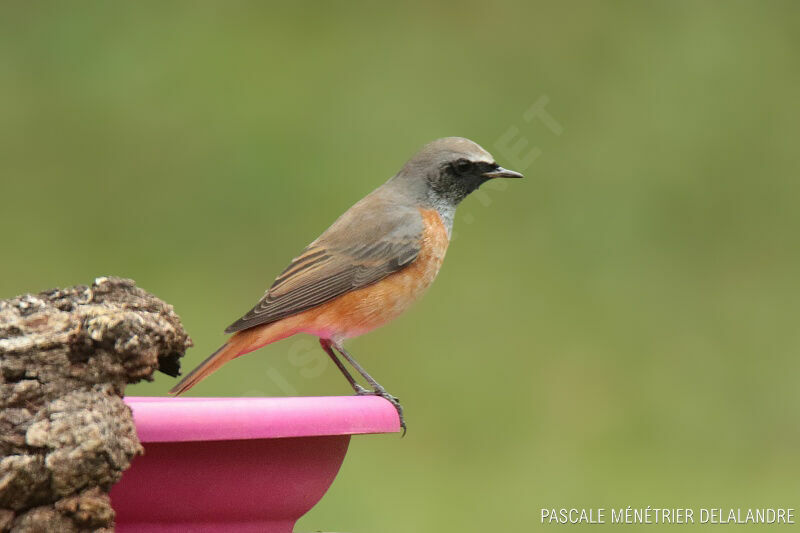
[
  {"x": 326, "y": 345},
  {"x": 378, "y": 390}
]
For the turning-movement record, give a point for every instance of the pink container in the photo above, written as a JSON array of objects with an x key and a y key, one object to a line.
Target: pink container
[{"x": 238, "y": 464}]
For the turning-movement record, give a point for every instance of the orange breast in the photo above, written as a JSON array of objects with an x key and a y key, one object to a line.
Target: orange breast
[{"x": 359, "y": 311}]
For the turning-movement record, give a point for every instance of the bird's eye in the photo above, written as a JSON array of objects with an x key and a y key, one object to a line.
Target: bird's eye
[{"x": 462, "y": 166}]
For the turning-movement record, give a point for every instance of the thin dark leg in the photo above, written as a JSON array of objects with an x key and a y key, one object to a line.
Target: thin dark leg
[
  {"x": 378, "y": 389},
  {"x": 326, "y": 345}
]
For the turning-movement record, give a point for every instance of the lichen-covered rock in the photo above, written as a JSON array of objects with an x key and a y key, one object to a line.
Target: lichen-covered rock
[{"x": 66, "y": 436}]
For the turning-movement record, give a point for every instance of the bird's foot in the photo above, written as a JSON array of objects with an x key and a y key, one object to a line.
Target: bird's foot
[
  {"x": 391, "y": 399},
  {"x": 361, "y": 391}
]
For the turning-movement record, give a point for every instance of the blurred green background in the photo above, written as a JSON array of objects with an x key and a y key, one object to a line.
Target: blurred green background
[{"x": 620, "y": 328}]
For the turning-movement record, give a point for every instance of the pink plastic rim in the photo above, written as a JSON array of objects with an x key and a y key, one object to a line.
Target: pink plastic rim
[{"x": 160, "y": 419}]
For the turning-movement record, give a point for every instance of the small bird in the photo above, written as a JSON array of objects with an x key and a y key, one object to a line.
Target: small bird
[{"x": 369, "y": 266}]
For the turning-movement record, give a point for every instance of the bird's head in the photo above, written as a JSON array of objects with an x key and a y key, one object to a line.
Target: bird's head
[{"x": 453, "y": 167}]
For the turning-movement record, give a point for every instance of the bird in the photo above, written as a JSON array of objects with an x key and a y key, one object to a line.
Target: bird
[{"x": 369, "y": 266}]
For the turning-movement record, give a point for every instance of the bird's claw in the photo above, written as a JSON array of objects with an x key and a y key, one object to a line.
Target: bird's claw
[
  {"x": 361, "y": 391},
  {"x": 396, "y": 403}
]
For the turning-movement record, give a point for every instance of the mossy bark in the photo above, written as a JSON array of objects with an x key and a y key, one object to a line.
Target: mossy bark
[{"x": 66, "y": 436}]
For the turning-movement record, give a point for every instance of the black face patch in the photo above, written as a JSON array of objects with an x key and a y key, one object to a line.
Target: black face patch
[
  {"x": 458, "y": 178},
  {"x": 465, "y": 167},
  {"x": 462, "y": 166}
]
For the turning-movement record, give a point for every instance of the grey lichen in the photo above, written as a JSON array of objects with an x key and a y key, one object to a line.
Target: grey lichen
[{"x": 66, "y": 436}]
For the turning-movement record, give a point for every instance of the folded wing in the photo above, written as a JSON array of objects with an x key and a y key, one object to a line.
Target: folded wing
[{"x": 354, "y": 252}]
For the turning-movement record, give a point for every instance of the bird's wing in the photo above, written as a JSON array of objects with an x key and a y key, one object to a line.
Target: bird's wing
[{"x": 370, "y": 241}]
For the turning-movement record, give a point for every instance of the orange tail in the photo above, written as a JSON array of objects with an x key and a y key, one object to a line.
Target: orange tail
[
  {"x": 225, "y": 353},
  {"x": 238, "y": 344}
]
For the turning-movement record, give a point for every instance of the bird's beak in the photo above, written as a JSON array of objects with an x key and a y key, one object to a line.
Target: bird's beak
[{"x": 501, "y": 172}]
